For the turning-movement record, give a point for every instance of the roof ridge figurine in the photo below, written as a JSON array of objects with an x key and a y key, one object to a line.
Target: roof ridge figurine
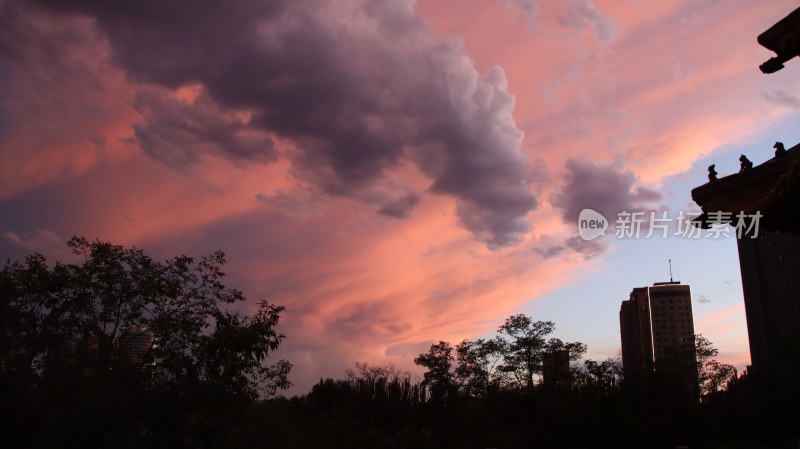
[
  {"x": 780, "y": 150},
  {"x": 712, "y": 174},
  {"x": 746, "y": 164}
]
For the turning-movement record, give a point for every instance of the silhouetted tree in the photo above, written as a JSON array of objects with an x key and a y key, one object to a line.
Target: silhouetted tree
[
  {"x": 523, "y": 346},
  {"x": 523, "y": 343},
  {"x": 91, "y": 340},
  {"x": 476, "y": 371},
  {"x": 598, "y": 378},
  {"x": 712, "y": 376},
  {"x": 440, "y": 378},
  {"x": 576, "y": 350}
]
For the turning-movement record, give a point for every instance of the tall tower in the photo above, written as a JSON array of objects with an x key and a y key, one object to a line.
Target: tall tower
[{"x": 657, "y": 332}]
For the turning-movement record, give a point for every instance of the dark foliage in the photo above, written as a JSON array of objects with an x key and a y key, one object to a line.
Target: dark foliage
[{"x": 121, "y": 350}]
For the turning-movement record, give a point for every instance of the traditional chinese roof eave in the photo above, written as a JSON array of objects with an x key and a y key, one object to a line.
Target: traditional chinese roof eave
[
  {"x": 771, "y": 189},
  {"x": 783, "y": 38}
]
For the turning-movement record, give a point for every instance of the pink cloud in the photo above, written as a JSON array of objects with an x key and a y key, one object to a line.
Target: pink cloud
[
  {"x": 379, "y": 251},
  {"x": 66, "y": 111}
]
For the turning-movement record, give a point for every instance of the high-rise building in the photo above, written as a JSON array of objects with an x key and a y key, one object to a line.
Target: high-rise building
[{"x": 657, "y": 332}]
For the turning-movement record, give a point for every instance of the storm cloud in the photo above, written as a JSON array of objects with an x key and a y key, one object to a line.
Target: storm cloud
[
  {"x": 604, "y": 188},
  {"x": 356, "y": 90}
]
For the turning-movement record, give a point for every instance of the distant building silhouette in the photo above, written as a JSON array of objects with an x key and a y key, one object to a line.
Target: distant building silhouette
[
  {"x": 555, "y": 369},
  {"x": 770, "y": 262},
  {"x": 657, "y": 332},
  {"x": 135, "y": 343}
]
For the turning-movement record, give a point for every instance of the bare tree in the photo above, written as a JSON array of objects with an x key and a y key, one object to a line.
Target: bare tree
[{"x": 372, "y": 373}]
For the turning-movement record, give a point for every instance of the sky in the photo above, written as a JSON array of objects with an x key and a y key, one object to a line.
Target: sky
[{"x": 394, "y": 173}]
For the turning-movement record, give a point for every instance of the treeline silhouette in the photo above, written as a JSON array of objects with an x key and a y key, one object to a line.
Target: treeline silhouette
[
  {"x": 379, "y": 390},
  {"x": 597, "y": 409},
  {"x": 120, "y": 350}
]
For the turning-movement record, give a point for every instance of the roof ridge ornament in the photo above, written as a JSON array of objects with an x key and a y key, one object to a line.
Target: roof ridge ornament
[
  {"x": 746, "y": 165},
  {"x": 712, "y": 174}
]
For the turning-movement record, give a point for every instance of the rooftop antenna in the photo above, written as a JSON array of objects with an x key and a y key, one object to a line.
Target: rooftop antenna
[{"x": 670, "y": 270}]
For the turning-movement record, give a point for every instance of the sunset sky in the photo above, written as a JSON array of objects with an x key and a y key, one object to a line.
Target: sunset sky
[{"x": 393, "y": 172}]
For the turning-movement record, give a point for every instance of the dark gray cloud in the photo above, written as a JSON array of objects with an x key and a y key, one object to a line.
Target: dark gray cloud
[
  {"x": 604, "y": 188},
  {"x": 587, "y": 248},
  {"x": 178, "y": 133},
  {"x": 550, "y": 251},
  {"x": 574, "y": 244},
  {"x": 359, "y": 88},
  {"x": 401, "y": 208}
]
